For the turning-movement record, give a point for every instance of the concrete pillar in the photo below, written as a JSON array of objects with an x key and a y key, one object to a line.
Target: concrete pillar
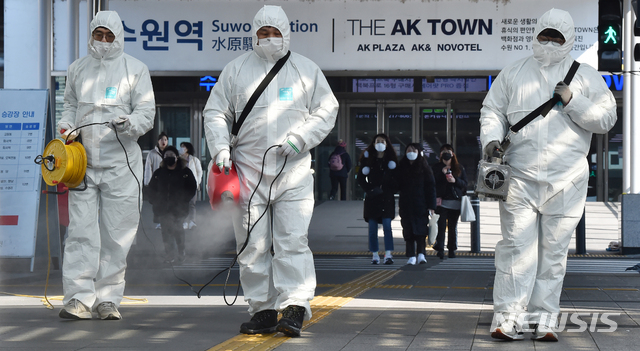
[
  {"x": 630, "y": 143},
  {"x": 27, "y": 40},
  {"x": 630, "y": 224}
]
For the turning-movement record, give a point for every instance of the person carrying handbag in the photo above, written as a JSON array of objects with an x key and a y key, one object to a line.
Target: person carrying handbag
[
  {"x": 417, "y": 201},
  {"x": 451, "y": 185}
]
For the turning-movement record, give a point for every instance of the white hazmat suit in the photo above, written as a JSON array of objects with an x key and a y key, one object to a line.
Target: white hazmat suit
[
  {"x": 104, "y": 217},
  {"x": 298, "y": 102},
  {"x": 550, "y": 171}
]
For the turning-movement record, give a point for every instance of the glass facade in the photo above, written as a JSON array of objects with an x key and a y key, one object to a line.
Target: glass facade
[
  {"x": 613, "y": 158},
  {"x": 400, "y": 121},
  {"x": 407, "y": 109},
  {"x": 364, "y": 128}
]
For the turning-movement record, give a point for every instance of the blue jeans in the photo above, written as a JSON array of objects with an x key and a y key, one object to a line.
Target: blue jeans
[{"x": 373, "y": 235}]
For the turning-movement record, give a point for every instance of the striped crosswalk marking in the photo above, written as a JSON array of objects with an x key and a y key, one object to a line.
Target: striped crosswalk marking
[
  {"x": 321, "y": 264},
  {"x": 469, "y": 264},
  {"x": 606, "y": 266}
]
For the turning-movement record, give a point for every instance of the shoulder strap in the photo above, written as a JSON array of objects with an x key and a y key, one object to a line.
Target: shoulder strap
[
  {"x": 256, "y": 94},
  {"x": 547, "y": 106}
]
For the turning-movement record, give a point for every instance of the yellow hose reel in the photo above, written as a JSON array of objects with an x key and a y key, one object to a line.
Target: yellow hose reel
[{"x": 62, "y": 163}]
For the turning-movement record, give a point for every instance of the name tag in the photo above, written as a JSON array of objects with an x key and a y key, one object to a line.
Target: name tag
[
  {"x": 111, "y": 93},
  {"x": 286, "y": 94}
]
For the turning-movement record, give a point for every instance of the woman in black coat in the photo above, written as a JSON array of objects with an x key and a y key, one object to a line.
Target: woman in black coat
[
  {"x": 171, "y": 188},
  {"x": 417, "y": 201},
  {"x": 451, "y": 186},
  {"x": 376, "y": 177}
]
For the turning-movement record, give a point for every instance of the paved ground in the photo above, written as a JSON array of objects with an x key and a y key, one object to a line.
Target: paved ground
[{"x": 441, "y": 305}]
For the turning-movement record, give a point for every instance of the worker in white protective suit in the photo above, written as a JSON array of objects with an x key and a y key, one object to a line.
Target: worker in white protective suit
[
  {"x": 548, "y": 186},
  {"x": 297, "y": 110},
  {"x": 114, "y": 89}
]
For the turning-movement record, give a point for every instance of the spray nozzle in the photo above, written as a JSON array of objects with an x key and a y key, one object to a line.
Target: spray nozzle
[{"x": 226, "y": 197}]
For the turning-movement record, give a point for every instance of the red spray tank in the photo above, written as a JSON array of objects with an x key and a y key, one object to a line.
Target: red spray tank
[{"x": 223, "y": 187}]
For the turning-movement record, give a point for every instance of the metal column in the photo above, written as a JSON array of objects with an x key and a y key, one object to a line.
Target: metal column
[{"x": 475, "y": 226}]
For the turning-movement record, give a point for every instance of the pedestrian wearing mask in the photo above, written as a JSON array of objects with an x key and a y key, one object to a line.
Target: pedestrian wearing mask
[
  {"x": 417, "y": 201},
  {"x": 113, "y": 91},
  {"x": 451, "y": 186},
  {"x": 296, "y": 111},
  {"x": 170, "y": 189},
  {"x": 187, "y": 152},
  {"x": 154, "y": 158},
  {"x": 376, "y": 177},
  {"x": 550, "y": 172}
]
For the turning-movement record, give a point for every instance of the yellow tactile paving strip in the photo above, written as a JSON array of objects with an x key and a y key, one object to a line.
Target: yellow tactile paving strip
[{"x": 321, "y": 306}]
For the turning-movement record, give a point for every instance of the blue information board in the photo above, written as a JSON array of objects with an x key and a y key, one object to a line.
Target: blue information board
[{"x": 23, "y": 116}]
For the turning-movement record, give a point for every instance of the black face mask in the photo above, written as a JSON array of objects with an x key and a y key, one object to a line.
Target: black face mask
[
  {"x": 446, "y": 156},
  {"x": 169, "y": 161}
]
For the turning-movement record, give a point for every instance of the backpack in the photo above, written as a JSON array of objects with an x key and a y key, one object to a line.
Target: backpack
[{"x": 335, "y": 162}]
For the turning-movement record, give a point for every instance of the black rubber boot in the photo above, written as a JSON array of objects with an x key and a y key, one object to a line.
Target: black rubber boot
[
  {"x": 291, "y": 322},
  {"x": 263, "y": 322}
]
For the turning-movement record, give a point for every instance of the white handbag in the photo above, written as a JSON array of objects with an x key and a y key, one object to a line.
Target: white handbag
[
  {"x": 466, "y": 210},
  {"x": 433, "y": 229}
]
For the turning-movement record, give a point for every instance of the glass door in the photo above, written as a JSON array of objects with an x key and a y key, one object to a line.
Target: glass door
[
  {"x": 176, "y": 122},
  {"x": 465, "y": 133},
  {"x": 365, "y": 127},
  {"x": 467, "y": 144},
  {"x": 399, "y": 121},
  {"x": 434, "y": 132}
]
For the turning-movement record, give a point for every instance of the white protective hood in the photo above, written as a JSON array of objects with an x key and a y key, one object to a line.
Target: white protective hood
[
  {"x": 538, "y": 152},
  {"x": 272, "y": 16},
  {"x": 299, "y": 102},
  {"x": 110, "y": 20},
  {"x": 561, "y": 21}
]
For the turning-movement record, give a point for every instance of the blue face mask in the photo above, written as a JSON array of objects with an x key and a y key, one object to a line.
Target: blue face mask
[{"x": 412, "y": 156}]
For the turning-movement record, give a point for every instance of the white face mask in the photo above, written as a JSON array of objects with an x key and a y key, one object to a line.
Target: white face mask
[
  {"x": 183, "y": 150},
  {"x": 412, "y": 156},
  {"x": 102, "y": 47},
  {"x": 271, "y": 47},
  {"x": 380, "y": 147},
  {"x": 548, "y": 53}
]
